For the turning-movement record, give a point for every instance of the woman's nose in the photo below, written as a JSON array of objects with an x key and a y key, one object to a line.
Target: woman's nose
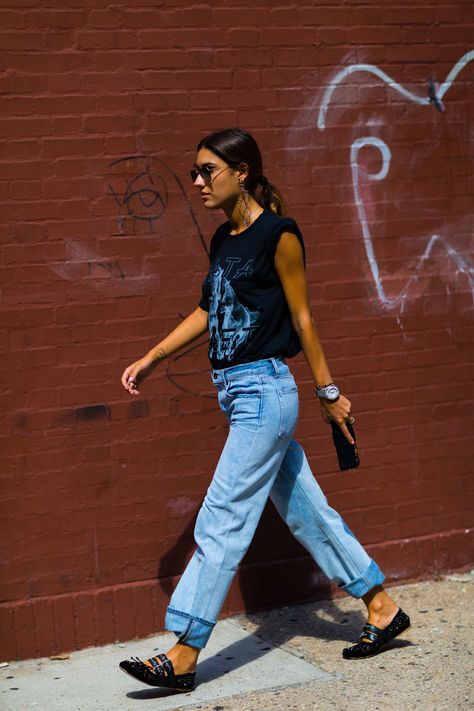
[{"x": 199, "y": 182}]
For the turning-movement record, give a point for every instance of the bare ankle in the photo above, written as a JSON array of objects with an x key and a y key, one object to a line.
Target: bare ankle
[
  {"x": 184, "y": 651},
  {"x": 377, "y": 599}
]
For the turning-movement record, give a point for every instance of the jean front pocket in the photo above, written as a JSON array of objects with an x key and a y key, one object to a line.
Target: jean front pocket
[
  {"x": 244, "y": 403},
  {"x": 289, "y": 406},
  {"x": 245, "y": 387}
]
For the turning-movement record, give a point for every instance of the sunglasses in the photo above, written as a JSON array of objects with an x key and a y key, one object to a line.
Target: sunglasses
[{"x": 206, "y": 173}]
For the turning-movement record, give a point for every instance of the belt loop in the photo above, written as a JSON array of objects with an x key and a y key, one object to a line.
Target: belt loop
[
  {"x": 225, "y": 377},
  {"x": 275, "y": 365}
]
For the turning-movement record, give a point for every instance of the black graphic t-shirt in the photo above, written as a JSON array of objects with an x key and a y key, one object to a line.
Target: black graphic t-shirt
[{"x": 249, "y": 318}]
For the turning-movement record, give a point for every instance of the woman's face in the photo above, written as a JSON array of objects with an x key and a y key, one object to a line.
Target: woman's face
[{"x": 221, "y": 188}]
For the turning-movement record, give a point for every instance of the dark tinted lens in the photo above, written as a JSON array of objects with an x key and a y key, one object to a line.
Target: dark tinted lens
[{"x": 204, "y": 172}]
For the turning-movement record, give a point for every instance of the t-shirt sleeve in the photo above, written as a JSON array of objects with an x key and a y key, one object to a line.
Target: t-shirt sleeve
[
  {"x": 204, "y": 302},
  {"x": 286, "y": 224},
  {"x": 205, "y": 291}
]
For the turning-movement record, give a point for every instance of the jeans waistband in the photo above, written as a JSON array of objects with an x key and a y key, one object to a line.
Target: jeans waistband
[{"x": 266, "y": 366}]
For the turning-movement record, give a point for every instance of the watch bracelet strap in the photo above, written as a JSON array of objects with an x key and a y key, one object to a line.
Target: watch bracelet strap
[{"x": 321, "y": 387}]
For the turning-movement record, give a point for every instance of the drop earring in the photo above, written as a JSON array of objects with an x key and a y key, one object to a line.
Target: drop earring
[{"x": 244, "y": 210}]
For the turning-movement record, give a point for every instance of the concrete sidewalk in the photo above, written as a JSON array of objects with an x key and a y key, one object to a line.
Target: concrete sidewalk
[{"x": 289, "y": 658}]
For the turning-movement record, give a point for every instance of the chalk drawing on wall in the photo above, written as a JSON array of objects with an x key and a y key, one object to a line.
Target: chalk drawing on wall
[
  {"x": 372, "y": 69},
  {"x": 397, "y": 301},
  {"x": 434, "y": 97},
  {"x": 141, "y": 198},
  {"x": 151, "y": 200},
  {"x": 140, "y": 189}
]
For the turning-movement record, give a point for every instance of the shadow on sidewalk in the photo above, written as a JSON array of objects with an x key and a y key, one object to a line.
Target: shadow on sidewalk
[{"x": 278, "y": 629}]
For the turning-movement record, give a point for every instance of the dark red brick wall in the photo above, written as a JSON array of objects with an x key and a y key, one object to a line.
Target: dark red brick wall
[{"x": 104, "y": 247}]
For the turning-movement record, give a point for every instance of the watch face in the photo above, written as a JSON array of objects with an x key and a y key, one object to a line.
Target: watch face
[{"x": 332, "y": 392}]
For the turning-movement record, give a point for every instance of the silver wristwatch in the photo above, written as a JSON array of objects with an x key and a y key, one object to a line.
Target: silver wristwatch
[{"x": 327, "y": 392}]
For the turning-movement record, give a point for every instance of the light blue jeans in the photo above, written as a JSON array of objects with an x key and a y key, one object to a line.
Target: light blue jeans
[{"x": 259, "y": 459}]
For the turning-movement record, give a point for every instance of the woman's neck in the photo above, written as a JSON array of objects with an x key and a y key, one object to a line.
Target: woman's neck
[{"x": 241, "y": 216}]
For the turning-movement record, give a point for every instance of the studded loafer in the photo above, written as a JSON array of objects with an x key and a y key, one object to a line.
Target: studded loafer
[
  {"x": 377, "y": 637},
  {"x": 161, "y": 674}
]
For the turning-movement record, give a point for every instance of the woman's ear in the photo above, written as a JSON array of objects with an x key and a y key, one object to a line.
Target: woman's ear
[{"x": 243, "y": 170}]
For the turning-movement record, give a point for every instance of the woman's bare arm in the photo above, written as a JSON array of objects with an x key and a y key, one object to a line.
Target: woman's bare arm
[
  {"x": 186, "y": 332},
  {"x": 289, "y": 265}
]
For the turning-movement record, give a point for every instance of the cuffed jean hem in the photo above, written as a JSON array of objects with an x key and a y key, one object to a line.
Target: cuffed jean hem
[
  {"x": 361, "y": 586},
  {"x": 190, "y": 630}
]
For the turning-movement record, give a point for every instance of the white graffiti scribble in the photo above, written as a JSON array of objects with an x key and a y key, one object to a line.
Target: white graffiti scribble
[
  {"x": 399, "y": 300},
  {"x": 462, "y": 266},
  {"x": 372, "y": 69}
]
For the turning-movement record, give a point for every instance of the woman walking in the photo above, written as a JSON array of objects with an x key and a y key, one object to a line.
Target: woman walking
[{"x": 256, "y": 308}]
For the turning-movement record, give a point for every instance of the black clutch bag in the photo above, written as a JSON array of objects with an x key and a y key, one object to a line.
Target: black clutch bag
[{"x": 346, "y": 452}]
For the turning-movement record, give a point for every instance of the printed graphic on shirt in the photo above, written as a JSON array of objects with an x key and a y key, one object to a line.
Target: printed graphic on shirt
[{"x": 230, "y": 322}]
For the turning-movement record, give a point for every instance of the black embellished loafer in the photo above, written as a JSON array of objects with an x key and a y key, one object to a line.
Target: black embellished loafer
[
  {"x": 161, "y": 674},
  {"x": 378, "y": 638}
]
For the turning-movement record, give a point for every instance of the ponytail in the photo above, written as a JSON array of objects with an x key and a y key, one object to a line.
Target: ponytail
[{"x": 270, "y": 197}]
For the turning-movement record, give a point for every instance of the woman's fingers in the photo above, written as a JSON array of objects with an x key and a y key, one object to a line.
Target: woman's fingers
[
  {"x": 132, "y": 386},
  {"x": 346, "y": 432},
  {"x": 125, "y": 376},
  {"x": 336, "y": 411},
  {"x": 340, "y": 413},
  {"x": 130, "y": 380}
]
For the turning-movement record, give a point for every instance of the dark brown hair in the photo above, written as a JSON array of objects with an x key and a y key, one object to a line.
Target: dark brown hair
[{"x": 235, "y": 146}]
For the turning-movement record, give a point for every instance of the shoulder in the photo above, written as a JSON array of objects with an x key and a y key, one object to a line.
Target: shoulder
[{"x": 277, "y": 226}]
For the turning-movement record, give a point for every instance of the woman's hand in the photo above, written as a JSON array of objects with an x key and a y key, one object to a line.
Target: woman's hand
[
  {"x": 339, "y": 412},
  {"x": 136, "y": 373}
]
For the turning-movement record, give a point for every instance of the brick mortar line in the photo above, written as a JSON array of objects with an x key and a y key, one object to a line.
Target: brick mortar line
[{"x": 155, "y": 581}]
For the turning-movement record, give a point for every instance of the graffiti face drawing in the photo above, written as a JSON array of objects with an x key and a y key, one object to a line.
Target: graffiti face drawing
[{"x": 230, "y": 322}]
